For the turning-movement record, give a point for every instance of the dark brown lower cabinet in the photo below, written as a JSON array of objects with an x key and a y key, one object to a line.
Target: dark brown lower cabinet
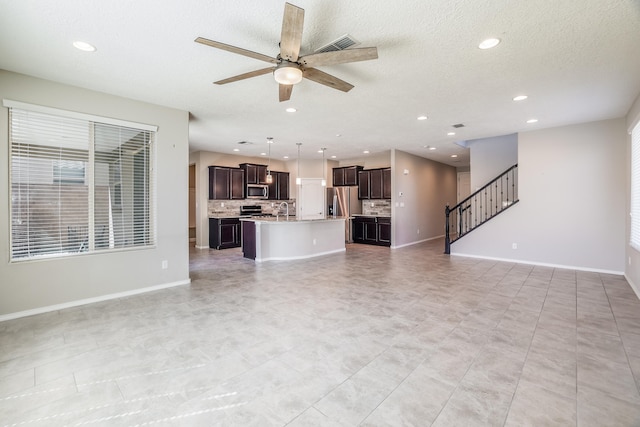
[
  {"x": 224, "y": 233},
  {"x": 372, "y": 230},
  {"x": 384, "y": 231},
  {"x": 249, "y": 239}
]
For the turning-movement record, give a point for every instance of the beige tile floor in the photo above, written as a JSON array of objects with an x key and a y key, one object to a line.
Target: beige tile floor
[{"x": 372, "y": 337}]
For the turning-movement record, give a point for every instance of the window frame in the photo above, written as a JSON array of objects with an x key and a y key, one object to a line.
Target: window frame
[
  {"x": 634, "y": 197},
  {"x": 149, "y": 177}
]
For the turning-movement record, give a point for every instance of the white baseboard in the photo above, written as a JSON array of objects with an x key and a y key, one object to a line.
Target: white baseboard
[
  {"x": 542, "y": 264},
  {"x": 70, "y": 304},
  {"x": 418, "y": 241},
  {"x": 202, "y": 247}
]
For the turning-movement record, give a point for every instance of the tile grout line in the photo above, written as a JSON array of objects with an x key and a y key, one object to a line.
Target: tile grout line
[
  {"x": 529, "y": 347},
  {"x": 615, "y": 319}
]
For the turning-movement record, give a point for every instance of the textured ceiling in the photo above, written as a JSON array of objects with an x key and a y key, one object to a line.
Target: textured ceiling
[{"x": 577, "y": 60}]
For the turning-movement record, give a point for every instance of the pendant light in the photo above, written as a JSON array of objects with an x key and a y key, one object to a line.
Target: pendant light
[
  {"x": 298, "y": 179},
  {"x": 269, "y": 177},
  {"x": 324, "y": 169}
]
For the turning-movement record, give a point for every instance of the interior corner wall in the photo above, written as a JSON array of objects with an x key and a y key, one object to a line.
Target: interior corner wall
[
  {"x": 426, "y": 187},
  {"x": 632, "y": 260},
  {"x": 490, "y": 157},
  {"x": 571, "y": 211},
  {"x": 33, "y": 286}
]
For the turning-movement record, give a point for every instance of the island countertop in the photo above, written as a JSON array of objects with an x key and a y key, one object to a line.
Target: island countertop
[
  {"x": 283, "y": 220},
  {"x": 265, "y": 239}
]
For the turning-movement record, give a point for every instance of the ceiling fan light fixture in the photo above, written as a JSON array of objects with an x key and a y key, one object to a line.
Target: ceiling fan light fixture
[{"x": 288, "y": 74}]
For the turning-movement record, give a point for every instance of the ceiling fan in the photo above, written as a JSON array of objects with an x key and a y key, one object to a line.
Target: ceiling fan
[{"x": 289, "y": 67}]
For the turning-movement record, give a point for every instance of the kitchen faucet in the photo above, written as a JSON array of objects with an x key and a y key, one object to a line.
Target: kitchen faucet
[{"x": 279, "y": 207}]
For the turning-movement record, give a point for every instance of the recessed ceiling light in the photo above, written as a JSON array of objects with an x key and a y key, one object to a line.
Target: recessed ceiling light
[
  {"x": 451, "y": 133},
  {"x": 520, "y": 98},
  {"x": 285, "y": 157},
  {"x": 532, "y": 120},
  {"x": 338, "y": 135},
  {"x": 263, "y": 154},
  {"x": 366, "y": 151},
  {"x": 422, "y": 117},
  {"x": 333, "y": 157},
  {"x": 319, "y": 151},
  {"x": 84, "y": 46},
  {"x": 454, "y": 155},
  {"x": 236, "y": 149},
  {"x": 291, "y": 110},
  {"x": 489, "y": 43}
]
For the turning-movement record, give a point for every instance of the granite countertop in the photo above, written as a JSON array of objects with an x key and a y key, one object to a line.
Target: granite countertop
[
  {"x": 226, "y": 216},
  {"x": 283, "y": 219}
]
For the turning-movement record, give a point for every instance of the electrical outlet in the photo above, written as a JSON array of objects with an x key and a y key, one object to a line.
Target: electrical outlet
[
  {"x": 165, "y": 264},
  {"x": 514, "y": 246},
  {"x": 314, "y": 241},
  {"x": 418, "y": 232},
  {"x": 222, "y": 205}
]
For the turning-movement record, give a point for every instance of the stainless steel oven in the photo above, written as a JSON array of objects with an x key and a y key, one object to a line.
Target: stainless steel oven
[{"x": 257, "y": 191}]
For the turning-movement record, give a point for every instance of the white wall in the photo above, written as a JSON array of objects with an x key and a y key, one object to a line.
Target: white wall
[
  {"x": 34, "y": 286},
  {"x": 632, "y": 264},
  {"x": 572, "y": 201},
  {"x": 370, "y": 161},
  {"x": 427, "y": 188},
  {"x": 490, "y": 157}
]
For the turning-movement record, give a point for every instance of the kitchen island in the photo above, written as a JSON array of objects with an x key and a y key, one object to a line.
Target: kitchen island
[{"x": 265, "y": 239}]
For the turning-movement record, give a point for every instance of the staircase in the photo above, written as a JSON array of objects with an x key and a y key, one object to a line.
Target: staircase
[{"x": 495, "y": 197}]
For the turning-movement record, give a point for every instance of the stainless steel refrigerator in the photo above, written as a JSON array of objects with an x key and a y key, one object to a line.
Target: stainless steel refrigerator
[{"x": 342, "y": 202}]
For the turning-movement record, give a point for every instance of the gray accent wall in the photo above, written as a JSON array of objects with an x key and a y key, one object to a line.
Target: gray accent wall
[
  {"x": 33, "y": 286},
  {"x": 572, "y": 209},
  {"x": 490, "y": 157},
  {"x": 632, "y": 259},
  {"x": 426, "y": 187}
]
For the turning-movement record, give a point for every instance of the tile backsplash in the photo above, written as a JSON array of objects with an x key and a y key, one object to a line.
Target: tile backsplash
[
  {"x": 232, "y": 207},
  {"x": 376, "y": 207}
]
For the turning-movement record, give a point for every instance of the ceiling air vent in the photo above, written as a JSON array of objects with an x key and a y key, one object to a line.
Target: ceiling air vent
[
  {"x": 340, "y": 44},
  {"x": 459, "y": 125}
]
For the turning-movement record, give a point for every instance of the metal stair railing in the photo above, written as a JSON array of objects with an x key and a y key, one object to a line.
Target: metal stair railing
[{"x": 495, "y": 197}]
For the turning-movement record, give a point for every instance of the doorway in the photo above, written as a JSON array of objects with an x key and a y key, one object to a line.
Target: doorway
[{"x": 192, "y": 204}]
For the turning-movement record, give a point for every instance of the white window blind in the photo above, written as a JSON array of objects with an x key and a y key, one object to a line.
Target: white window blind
[
  {"x": 635, "y": 187},
  {"x": 78, "y": 185}
]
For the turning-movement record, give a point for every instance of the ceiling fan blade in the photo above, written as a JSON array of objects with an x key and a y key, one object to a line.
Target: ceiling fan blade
[
  {"x": 326, "y": 79},
  {"x": 237, "y": 50},
  {"x": 246, "y": 75},
  {"x": 339, "y": 56},
  {"x": 285, "y": 92},
  {"x": 291, "y": 36}
]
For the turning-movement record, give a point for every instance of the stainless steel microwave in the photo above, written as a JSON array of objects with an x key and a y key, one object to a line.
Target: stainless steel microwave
[{"x": 257, "y": 191}]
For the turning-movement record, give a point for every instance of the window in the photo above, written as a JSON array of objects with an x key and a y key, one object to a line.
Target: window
[
  {"x": 79, "y": 184},
  {"x": 635, "y": 187}
]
